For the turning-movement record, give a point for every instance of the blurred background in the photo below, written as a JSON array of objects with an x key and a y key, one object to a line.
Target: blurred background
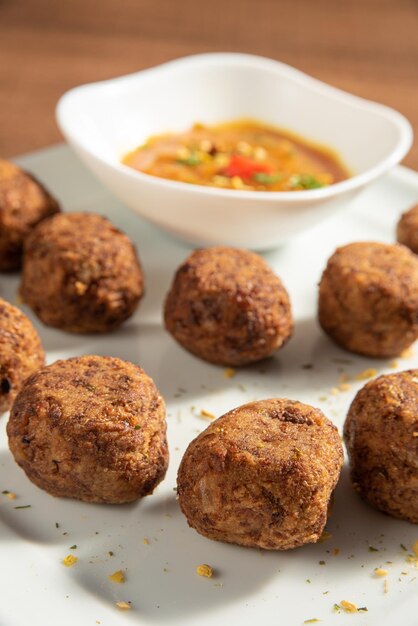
[{"x": 368, "y": 47}]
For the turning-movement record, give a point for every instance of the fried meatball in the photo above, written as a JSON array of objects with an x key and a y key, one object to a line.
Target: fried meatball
[
  {"x": 227, "y": 307},
  {"x": 262, "y": 475},
  {"x": 381, "y": 435},
  {"x": 21, "y": 352},
  {"x": 81, "y": 274},
  {"x": 407, "y": 229},
  {"x": 368, "y": 298},
  {"x": 24, "y": 202},
  {"x": 91, "y": 428}
]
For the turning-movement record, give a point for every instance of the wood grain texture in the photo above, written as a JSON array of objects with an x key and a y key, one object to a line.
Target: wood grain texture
[{"x": 368, "y": 47}]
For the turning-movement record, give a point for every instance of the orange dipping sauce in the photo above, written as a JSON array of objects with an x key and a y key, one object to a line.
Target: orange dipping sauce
[{"x": 242, "y": 154}]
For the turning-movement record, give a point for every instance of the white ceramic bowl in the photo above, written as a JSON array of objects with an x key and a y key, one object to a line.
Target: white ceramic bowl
[{"x": 103, "y": 121}]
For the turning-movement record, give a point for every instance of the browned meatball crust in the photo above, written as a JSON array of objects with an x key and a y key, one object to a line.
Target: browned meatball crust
[
  {"x": 24, "y": 202},
  {"x": 407, "y": 229},
  {"x": 227, "y": 307},
  {"x": 21, "y": 352},
  {"x": 262, "y": 475},
  {"x": 81, "y": 274},
  {"x": 381, "y": 435},
  {"x": 91, "y": 428},
  {"x": 368, "y": 298}
]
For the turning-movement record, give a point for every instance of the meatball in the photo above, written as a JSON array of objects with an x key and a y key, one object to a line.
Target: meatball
[
  {"x": 21, "y": 352},
  {"x": 262, "y": 475},
  {"x": 91, "y": 428},
  {"x": 381, "y": 435},
  {"x": 23, "y": 203},
  {"x": 368, "y": 298},
  {"x": 407, "y": 229},
  {"x": 227, "y": 307},
  {"x": 81, "y": 274}
]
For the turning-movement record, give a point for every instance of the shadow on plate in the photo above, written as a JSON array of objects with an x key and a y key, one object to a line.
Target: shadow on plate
[
  {"x": 360, "y": 535},
  {"x": 38, "y": 521},
  {"x": 161, "y": 578},
  {"x": 307, "y": 367}
]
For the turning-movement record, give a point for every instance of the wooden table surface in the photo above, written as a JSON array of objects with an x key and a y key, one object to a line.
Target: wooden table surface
[{"x": 368, "y": 47}]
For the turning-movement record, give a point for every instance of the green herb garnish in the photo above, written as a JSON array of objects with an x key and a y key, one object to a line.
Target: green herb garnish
[
  {"x": 403, "y": 547},
  {"x": 266, "y": 179},
  {"x": 74, "y": 547},
  {"x": 371, "y": 549},
  {"x": 57, "y": 525},
  {"x": 306, "y": 181},
  {"x": 193, "y": 159},
  {"x": 25, "y": 506},
  {"x": 137, "y": 427}
]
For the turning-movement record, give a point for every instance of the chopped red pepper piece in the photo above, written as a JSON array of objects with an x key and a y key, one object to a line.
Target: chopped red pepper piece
[{"x": 244, "y": 167}]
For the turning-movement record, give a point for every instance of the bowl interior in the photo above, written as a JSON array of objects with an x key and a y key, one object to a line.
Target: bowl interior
[{"x": 113, "y": 117}]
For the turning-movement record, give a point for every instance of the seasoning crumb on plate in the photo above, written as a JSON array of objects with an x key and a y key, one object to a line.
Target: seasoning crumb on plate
[
  {"x": 348, "y": 607},
  {"x": 367, "y": 373},
  {"x": 378, "y": 571},
  {"x": 124, "y": 606},
  {"x": 117, "y": 577},
  {"x": 204, "y": 570},
  {"x": 344, "y": 387},
  {"x": 229, "y": 372},
  {"x": 70, "y": 560},
  {"x": 207, "y": 414}
]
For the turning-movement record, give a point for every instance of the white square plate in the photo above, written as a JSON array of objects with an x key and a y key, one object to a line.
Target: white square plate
[{"x": 250, "y": 585}]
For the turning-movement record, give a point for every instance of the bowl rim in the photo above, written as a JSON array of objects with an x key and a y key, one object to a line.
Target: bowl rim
[{"x": 238, "y": 59}]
